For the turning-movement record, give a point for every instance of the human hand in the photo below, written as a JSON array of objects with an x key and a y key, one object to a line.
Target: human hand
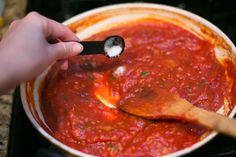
[{"x": 25, "y": 50}]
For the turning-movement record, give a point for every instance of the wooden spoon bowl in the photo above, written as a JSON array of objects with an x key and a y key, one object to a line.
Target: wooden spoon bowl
[{"x": 156, "y": 103}]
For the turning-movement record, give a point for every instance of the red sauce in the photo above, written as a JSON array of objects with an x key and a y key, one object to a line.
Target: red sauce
[{"x": 156, "y": 53}]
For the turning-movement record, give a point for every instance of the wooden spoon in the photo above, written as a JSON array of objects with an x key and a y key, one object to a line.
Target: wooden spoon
[{"x": 156, "y": 103}]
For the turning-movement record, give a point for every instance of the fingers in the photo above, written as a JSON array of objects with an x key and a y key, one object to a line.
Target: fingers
[
  {"x": 51, "y": 28},
  {"x": 56, "y": 30},
  {"x": 64, "y": 50},
  {"x": 63, "y": 64}
]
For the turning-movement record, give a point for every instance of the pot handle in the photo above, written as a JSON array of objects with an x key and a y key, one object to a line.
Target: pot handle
[{"x": 46, "y": 152}]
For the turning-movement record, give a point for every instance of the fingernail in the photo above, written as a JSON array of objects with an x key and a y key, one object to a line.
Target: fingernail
[{"x": 77, "y": 48}]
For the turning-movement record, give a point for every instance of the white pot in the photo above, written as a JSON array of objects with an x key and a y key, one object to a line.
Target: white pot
[{"x": 103, "y": 18}]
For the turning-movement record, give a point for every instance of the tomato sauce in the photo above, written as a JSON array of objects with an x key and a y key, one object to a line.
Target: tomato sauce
[{"x": 157, "y": 53}]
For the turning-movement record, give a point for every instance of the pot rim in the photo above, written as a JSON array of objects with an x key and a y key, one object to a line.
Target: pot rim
[{"x": 128, "y": 5}]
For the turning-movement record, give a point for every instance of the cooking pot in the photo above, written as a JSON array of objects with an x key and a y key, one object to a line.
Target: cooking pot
[{"x": 97, "y": 20}]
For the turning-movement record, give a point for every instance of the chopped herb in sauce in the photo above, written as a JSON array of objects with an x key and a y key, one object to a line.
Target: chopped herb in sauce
[
  {"x": 89, "y": 64},
  {"x": 113, "y": 146},
  {"x": 112, "y": 78},
  {"x": 144, "y": 73}
]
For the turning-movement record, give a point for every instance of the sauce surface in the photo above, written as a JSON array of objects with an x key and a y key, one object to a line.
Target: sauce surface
[{"x": 157, "y": 53}]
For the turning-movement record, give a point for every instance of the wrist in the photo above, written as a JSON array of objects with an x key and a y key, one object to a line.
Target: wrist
[{"x": 7, "y": 77}]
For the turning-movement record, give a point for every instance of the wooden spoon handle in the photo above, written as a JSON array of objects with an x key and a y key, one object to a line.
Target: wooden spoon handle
[{"x": 213, "y": 120}]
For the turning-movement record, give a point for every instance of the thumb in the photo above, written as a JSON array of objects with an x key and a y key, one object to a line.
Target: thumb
[{"x": 62, "y": 50}]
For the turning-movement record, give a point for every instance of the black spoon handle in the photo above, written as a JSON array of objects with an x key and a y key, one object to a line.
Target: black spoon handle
[{"x": 92, "y": 47}]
